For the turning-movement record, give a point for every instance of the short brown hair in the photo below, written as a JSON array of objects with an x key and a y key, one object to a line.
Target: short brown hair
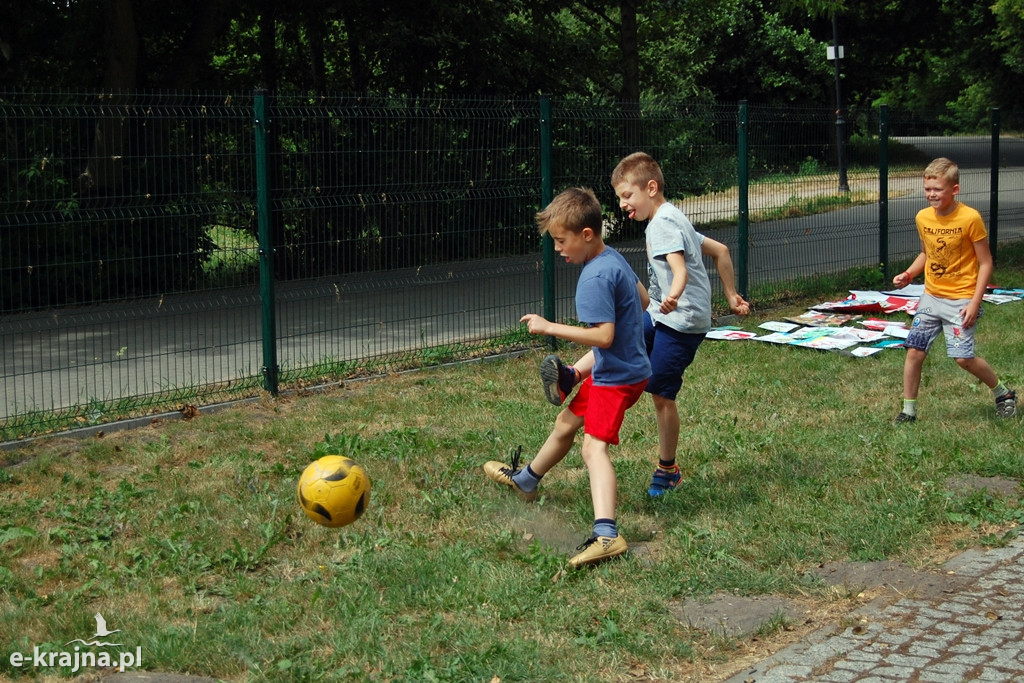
[
  {"x": 573, "y": 209},
  {"x": 639, "y": 168},
  {"x": 943, "y": 169}
]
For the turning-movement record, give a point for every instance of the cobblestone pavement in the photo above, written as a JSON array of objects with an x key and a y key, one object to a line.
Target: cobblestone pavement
[{"x": 975, "y": 633}]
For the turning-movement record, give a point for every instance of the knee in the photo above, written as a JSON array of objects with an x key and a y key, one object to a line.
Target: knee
[
  {"x": 594, "y": 454},
  {"x": 662, "y": 403},
  {"x": 567, "y": 424},
  {"x": 665, "y": 406},
  {"x": 915, "y": 357}
]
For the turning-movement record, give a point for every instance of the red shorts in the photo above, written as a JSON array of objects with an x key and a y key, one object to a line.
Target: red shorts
[{"x": 604, "y": 408}]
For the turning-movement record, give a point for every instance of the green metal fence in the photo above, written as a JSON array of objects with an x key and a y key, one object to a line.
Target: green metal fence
[{"x": 159, "y": 250}]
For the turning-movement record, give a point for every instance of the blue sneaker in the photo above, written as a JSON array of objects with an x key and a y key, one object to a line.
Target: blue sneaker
[
  {"x": 664, "y": 481},
  {"x": 558, "y": 378}
]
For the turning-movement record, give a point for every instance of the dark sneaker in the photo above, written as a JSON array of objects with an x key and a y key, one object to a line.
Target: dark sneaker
[
  {"x": 903, "y": 418},
  {"x": 598, "y": 549},
  {"x": 664, "y": 481},
  {"x": 502, "y": 473},
  {"x": 1006, "y": 405},
  {"x": 558, "y": 378}
]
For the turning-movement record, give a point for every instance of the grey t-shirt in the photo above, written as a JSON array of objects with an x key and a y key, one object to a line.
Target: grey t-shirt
[{"x": 671, "y": 231}]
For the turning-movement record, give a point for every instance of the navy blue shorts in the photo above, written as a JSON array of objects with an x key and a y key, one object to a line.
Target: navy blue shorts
[{"x": 671, "y": 352}]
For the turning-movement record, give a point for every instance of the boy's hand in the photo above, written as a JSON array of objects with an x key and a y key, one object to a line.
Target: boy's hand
[
  {"x": 669, "y": 304},
  {"x": 969, "y": 314},
  {"x": 535, "y": 324},
  {"x": 901, "y": 280},
  {"x": 738, "y": 306}
]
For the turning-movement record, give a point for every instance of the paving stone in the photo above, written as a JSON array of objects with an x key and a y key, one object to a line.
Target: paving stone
[
  {"x": 913, "y": 663},
  {"x": 922, "y": 650},
  {"x": 859, "y": 665},
  {"x": 894, "y": 673},
  {"x": 975, "y": 634}
]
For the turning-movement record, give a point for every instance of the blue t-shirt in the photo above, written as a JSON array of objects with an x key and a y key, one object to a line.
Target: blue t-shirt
[
  {"x": 671, "y": 231},
  {"x": 607, "y": 293}
]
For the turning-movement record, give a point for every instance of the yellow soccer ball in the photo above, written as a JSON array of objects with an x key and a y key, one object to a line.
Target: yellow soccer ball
[{"x": 334, "y": 490}]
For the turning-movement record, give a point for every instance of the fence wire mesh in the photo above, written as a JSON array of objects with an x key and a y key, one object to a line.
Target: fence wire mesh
[{"x": 400, "y": 230}]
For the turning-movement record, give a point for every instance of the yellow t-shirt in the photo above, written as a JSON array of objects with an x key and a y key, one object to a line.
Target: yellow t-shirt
[{"x": 951, "y": 268}]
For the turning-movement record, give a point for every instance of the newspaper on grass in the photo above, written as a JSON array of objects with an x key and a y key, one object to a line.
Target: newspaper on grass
[
  {"x": 730, "y": 334},
  {"x": 776, "y": 326},
  {"x": 775, "y": 338},
  {"x": 817, "y": 319}
]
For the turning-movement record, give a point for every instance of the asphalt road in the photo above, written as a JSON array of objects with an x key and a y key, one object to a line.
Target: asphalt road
[{"x": 60, "y": 359}]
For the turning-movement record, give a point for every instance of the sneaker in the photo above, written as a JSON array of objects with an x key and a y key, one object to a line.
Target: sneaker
[
  {"x": 598, "y": 549},
  {"x": 903, "y": 418},
  {"x": 1006, "y": 405},
  {"x": 664, "y": 481},
  {"x": 558, "y": 379},
  {"x": 502, "y": 473}
]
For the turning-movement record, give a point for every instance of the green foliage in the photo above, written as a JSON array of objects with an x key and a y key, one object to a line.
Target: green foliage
[
  {"x": 948, "y": 57},
  {"x": 233, "y": 259},
  {"x": 85, "y": 220}
]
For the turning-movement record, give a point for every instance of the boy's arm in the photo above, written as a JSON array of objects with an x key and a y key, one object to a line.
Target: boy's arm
[
  {"x": 600, "y": 335},
  {"x": 680, "y": 276},
  {"x": 984, "y": 254},
  {"x": 584, "y": 365},
  {"x": 719, "y": 253},
  {"x": 645, "y": 298},
  {"x": 912, "y": 271}
]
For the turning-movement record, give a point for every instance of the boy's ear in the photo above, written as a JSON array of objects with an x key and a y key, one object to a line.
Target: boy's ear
[
  {"x": 652, "y": 187},
  {"x": 587, "y": 234}
]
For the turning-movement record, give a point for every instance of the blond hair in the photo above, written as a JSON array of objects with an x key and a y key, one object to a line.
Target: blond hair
[
  {"x": 573, "y": 209},
  {"x": 639, "y": 168},
  {"x": 943, "y": 169}
]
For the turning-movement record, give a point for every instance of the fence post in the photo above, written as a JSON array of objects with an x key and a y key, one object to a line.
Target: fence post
[
  {"x": 883, "y": 192},
  {"x": 993, "y": 219},
  {"x": 546, "y": 195},
  {"x": 743, "y": 210},
  {"x": 266, "y": 248}
]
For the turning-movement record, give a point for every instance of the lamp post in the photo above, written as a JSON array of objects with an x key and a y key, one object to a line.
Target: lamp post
[{"x": 835, "y": 53}]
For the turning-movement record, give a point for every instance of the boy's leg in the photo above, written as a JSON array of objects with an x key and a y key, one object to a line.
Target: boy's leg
[
  {"x": 667, "y": 412},
  {"x": 912, "y": 372},
  {"x": 558, "y": 443},
  {"x": 558, "y": 379},
  {"x": 1005, "y": 398},
  {"x": 911, "y": 385},
  {"x": 604, "y": 416},
  {"x": 602, "y": 476},
  {"x": 980, "y": 368},
  {"x": 524, "y": 480},
  {"x": 924, "y": 330},
  {"x": 961, "y": 348},
  {"x": 671, "y": 353},
  {"x": 585, "y": 365},
  {"x": 605, "y": 542}
]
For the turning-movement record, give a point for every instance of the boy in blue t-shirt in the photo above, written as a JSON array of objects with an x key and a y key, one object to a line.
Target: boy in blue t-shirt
[{"x": 610, "y": 300}]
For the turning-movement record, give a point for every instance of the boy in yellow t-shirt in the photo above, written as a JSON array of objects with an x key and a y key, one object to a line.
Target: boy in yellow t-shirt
[{"x": 957, "y": 264}]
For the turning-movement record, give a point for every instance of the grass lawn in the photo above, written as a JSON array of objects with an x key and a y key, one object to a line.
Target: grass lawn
[{"x": 187, "y": 537}]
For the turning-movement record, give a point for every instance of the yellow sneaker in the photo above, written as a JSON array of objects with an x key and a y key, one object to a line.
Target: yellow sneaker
[
  {"x": 598, "y": 549},
  {"x": 502, "y": 473}
]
